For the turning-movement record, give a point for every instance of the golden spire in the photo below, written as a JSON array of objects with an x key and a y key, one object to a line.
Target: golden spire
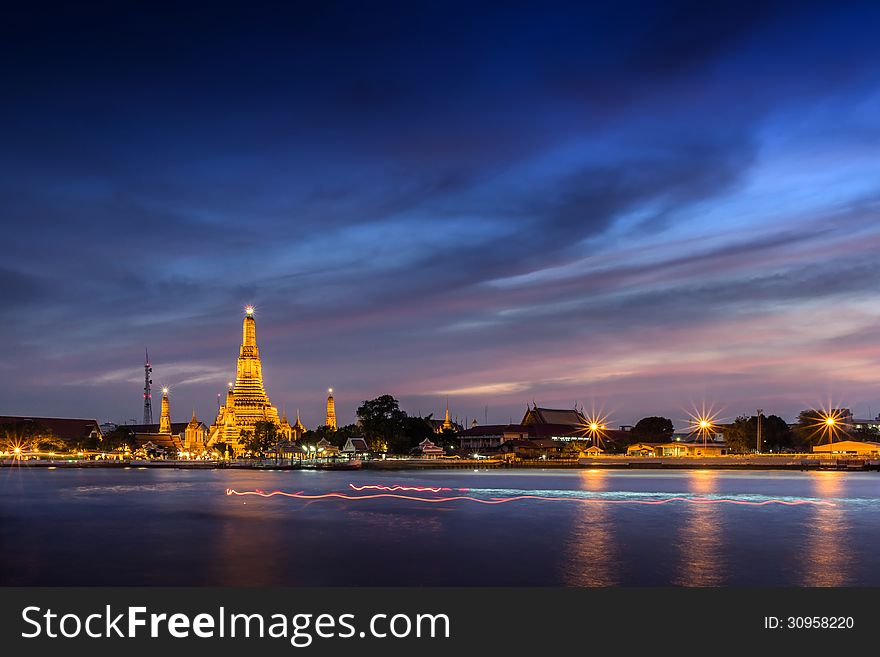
[
  {"x": 165, "y": 419},
  {"x": 246, "y": 399},
  {"x": 331, "y": 410},
  {"x": 298, "y": 428},
  {"x": 446, "y": 423}
]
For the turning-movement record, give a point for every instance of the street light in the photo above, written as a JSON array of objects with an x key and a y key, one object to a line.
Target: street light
[{"x": 760, "y": 412}]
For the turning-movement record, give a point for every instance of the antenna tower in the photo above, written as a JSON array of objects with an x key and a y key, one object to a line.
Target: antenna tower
[{"x": 148, "y": 396}]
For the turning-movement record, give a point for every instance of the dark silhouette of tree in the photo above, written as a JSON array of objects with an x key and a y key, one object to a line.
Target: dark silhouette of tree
[
  {"x": 263, "y": 440},
  {"x": 652, "y": 429},
  {"x": 382, "y": 423},
  {"x": 741, "y": 436},
  {"x": 119, "y": 438}
]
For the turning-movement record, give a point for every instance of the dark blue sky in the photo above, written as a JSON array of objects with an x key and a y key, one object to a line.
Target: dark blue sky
[{"x": 637, "y": 207}]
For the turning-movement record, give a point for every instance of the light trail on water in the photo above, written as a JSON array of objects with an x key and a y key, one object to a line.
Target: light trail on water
[
  {"x": 414, "y": 489},
  {"x": 300, "y": 495}
]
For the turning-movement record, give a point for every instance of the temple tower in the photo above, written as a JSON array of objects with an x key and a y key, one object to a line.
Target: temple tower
[
  {"x": 331, "y": 410},
  {"x": 246, "y": 399},
  {"x": 148, "y": 394},
  {"x": 298, "y": 428},
  {"x": 165, "y": 419},
  {"x": 447, "y": 425},
  {"x": 194, "y": 435}
]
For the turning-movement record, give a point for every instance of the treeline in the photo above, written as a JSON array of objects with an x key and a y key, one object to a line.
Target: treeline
[
  {"x": 381, "y": 422},
  {"x": 741, "y": 435}
]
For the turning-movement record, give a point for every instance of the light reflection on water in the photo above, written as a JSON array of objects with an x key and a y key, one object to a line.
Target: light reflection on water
[
  {"x": 700, "y": 544},
  {"x": 180, "y": 528},
  {"x": 826, "y": 552},
  {"x": 591, "y": 548}
]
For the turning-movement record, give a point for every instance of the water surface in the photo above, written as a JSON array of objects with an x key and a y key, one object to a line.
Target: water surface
[{"x": 178, "y": 527}]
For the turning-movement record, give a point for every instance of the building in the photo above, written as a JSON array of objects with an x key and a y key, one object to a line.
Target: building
[
  {"x": 562, "y": 425},
  {"x": 356, "y": 447},
  {"x": 691, "y": 447},
  {"x": 195, "y": 436},
  {"x": 73, "y": 431},
  {"x": 540, "y": 448},
  {"x": 165, "y": 417},
  {"x": 428, "y": 450},
  {"x": 446, "y": 424},
  {"x": 572, "y": 418},
  {"x": 198, "y": 433},
  {"x": 491, "y": 436},
  {"x": 642, "y": 449},
  {"x": 292, "y": 432},
  {"x": 190, "y": 437},
  {"x": 108, "y": 427},
  {"x": 326, "y": 449},
  {"x": 849, "y": 447},
  {"x": 868, "y": 425},
  {"x": 246, "y": 399},
  {"x": 165, "y": 438},
  {"x": 158, "y": 444},
  {"x": 330, "y": 420}
]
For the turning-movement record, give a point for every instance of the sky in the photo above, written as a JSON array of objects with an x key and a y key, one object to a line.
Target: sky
[{"x": 638, "y": 208}]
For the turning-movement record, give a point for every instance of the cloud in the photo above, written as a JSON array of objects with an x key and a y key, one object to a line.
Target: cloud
[{"x": 557, "y": 203}]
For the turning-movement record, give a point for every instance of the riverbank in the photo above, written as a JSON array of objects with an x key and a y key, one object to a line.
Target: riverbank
[{"x": 769, "y": 462}]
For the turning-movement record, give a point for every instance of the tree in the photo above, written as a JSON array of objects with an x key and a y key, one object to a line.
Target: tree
[
  {"x": 382, "y": 422},
  {"x": 119, "y": 438},
  {"x": 416, "y": 429},
  {"x": 742, "y": 435},
  {"x": 246, "y": 438},
  {"x": 263, "y": 439},
  {"x": 447, "y": 439},
  {"x": 652, "y": 429},
  {"x": 342, "y": 434},
  {"x": 323, "y": 432},
  {"x": 575, "y": 449},
  {"x": 30, "y": 436}
]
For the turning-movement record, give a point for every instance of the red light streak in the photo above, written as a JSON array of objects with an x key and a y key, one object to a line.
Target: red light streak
[
  {"x": 517, "y": 498},
  {"x": 414, "y": 489}
]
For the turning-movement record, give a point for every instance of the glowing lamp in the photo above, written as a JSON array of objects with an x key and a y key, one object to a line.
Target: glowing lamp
[
  {"x": 704, "y": 424},
  {"x": 249, "y": 310},
  {"x": 164, "y": 391},
  {"x": 594, "y": 427},
  {"x": 830, "y": 421}
]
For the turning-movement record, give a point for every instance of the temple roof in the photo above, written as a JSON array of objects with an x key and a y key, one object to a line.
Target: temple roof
[
  {"x": 532, "y": 430},
  {"x": 164, "y": 440},
  {"x": 176, "y": 427},
  {"x": 356, "y": 444},
  {"x": 62, "y": 427},
  {"x": 568, "y": 416}
]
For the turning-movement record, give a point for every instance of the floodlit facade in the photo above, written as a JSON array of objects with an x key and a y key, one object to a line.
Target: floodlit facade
[
  {"x": 246, "y": 400},
  {"x": 853, "y": 447},
  {"x": 330, "y": 421}
]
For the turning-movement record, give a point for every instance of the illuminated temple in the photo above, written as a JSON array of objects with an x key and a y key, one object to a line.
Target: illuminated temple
[
  {"x": 330, "y": 421},
  {"x": 246, "y": 400}
]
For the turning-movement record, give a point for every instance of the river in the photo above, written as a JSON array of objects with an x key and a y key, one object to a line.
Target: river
[{"x": 587, "y": 528}]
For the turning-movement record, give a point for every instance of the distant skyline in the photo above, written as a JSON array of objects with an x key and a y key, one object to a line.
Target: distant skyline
[{"x": 638, "y": 208}]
